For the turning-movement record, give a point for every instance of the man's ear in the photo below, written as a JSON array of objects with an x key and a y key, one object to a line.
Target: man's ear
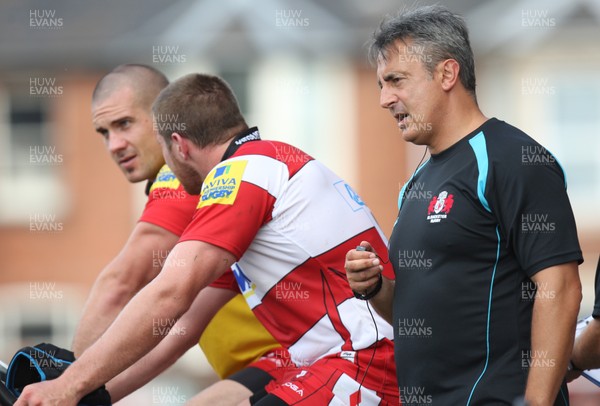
[
  {"x": 181, "y": 145},
  {"x": 449, "y": 70}
]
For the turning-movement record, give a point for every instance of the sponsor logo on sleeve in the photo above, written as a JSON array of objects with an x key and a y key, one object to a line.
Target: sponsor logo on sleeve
[
  {"x": 247, "y": 287},
  {"x": 165, "y": 180},
  {"x": 222, "y": 184},
  {"x": 349, "y": 195}
]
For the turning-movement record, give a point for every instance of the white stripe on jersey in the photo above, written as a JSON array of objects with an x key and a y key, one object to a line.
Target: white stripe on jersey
[
  {"x": 345, "y": 387},
  {"x": 266, "y": 173},
  {"x": 356, "y": 317},
  {"x": 319, "y": 340},
  {"x": 316, "y": 343}
]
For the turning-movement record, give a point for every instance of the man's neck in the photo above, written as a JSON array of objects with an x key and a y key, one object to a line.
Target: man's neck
[
  {"x": 205, "y": 159},
  {"x": 462, "y": 117}
]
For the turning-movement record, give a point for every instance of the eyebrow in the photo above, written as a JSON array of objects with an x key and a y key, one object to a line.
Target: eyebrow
[
  {"x": 387, "y": 77},
  {"x": 115, "y": 121}
]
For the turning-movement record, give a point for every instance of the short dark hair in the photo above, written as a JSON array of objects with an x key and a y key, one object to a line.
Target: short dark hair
[
  {"x": 203, "y": 107},
  {"x": 443, "y": 35},
  {"x": 146, "y": 82}
]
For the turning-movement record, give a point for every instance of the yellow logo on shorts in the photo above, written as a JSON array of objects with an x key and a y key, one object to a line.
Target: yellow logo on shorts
[
  {"x": 222, "y": 184},
  {"x": 165, "y": 179}
]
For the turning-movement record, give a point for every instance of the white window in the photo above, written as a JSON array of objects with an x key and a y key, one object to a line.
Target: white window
[
  {"x": 575, "y": 116},
  {"x": 31, "y": 159}
]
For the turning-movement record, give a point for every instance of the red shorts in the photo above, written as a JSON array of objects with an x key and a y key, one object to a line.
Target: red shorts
[
  {"x": 275, "y": 362},
  {"x": 366, "y": 377}
]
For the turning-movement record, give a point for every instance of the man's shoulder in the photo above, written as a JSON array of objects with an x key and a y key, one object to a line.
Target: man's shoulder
[
  {"x": 508, "y": 146},
  {"x": 500, "y": 132},
  {"x": 271, "y": 153},
  {"x": 500, "y": 135},
  {"x": 513, "y": 156},
  {"x": 273, "y": 149}
]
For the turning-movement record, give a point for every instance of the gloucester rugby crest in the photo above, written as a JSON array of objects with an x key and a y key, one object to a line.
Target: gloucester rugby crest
[{"x": 439, "y": 207}]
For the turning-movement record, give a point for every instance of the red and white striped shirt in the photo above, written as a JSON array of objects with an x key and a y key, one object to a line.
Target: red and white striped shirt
[{"x": 290, "y": 221}]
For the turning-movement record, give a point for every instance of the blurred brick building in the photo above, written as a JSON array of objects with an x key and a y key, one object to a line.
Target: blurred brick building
[{"x": 301, "y": 75}]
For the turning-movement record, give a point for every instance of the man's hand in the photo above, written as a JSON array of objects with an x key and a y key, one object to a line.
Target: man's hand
[
  {"x": 362, "y": 270},
  {"x": 586, "y": 351},
  {"x": 48, "y": 393}
]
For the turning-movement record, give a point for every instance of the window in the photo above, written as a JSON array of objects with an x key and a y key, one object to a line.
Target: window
[
  {"x": 573, "y": 115},
  {"x": 30, "y": 159},
  {"x": 39, "y": 312},
  {"x": 578, "y": 124}
]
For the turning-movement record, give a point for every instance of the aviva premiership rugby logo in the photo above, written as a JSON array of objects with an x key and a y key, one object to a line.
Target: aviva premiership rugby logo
[
  {"x": 165, "y": 180},
  {"x": 222, "y": 184},
  {"x": 439, "y": 207}
]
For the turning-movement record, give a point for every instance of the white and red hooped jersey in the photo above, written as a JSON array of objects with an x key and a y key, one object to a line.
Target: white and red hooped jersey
[{"x": 290, "y": 221}]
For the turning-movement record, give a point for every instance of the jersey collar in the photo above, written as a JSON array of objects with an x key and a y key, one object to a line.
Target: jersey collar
[{"x": 251, "y": 134}]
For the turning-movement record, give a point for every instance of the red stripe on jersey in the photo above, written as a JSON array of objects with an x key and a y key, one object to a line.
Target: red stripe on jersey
[
  {"x": 294, "y": 304},
  {"x": 171, "y": 209},
  {"x": 312, "y": 290},
  {"x": 232, "y": 227},
  {"x": 334, "y": 314}
]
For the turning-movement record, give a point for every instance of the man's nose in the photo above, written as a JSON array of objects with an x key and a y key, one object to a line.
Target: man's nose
[
  {"x": 116, "y": 142},
  {"x": 387, "y": 98}
]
